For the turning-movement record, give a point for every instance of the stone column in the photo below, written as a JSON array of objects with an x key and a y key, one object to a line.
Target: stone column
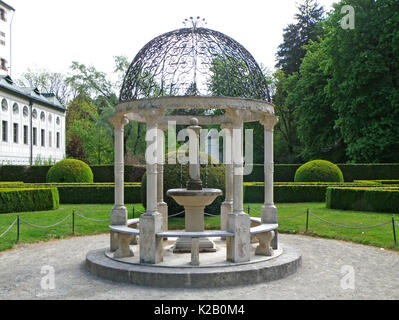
[
  {"x": 162, "y": 206},
  {"x": 239, "y": 246},
  {"x": 269, "y": 210},
  {"x": 151, "y": 222},
  {"x": 227, "y": 205},
  {"x": 119, "y": 211}
]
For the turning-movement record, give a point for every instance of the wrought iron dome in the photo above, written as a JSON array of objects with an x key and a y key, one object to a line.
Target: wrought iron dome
[{"x": 194, "y": 61}]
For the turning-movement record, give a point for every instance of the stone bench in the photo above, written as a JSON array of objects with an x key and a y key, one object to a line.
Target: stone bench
[
  {"x": 195, "y": 236},
  {"x": 264, "y": 233}
]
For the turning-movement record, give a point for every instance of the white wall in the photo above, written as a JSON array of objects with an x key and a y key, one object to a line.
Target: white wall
[{"x": 19, "y": 153}]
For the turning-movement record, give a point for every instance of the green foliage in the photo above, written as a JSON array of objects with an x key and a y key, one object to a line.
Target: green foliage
[
  {"x": 23, "y": 200},
  {"x": 319, "y": 171},
  {"x": 296, "y": 36},
  {"x": 364, "y": 85},
  {"x": 70, "y": 170},
  {"x": 364, "y": 199}
]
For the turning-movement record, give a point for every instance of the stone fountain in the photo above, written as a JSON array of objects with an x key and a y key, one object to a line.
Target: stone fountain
[{"x": 194, "y": 198}]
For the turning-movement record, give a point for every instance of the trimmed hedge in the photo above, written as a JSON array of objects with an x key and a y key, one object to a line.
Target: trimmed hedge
[
  {"x": 89, "y": 193},
  {"x": 282, "y": 173},
  {"x": 364, "y": 199},
  {"x": 28, "y": 200},
  {"x": 296, "y": 192}
]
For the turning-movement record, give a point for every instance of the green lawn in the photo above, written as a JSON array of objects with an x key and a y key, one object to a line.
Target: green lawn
[{"x": 381, "y": 236}]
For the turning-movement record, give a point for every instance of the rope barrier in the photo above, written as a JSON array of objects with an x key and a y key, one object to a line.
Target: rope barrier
[
  {"x": 177, "y": 214},
  {"x": 297, "y": 215},
  {"x": 89, "y": 219},
  {"x": 9, "y": 228},
  {"x": 347, "y": 227},
  {"x": 211, "y": 215},
  {"x": 46, "y": 227}
]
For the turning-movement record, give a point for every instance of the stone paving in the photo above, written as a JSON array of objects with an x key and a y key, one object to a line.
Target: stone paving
[{"x": 325, "y": 274}]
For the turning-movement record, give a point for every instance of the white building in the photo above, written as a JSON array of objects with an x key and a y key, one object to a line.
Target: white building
[
  {"x": 6, "y": 15},
  {"x": 32, "y": 125}
]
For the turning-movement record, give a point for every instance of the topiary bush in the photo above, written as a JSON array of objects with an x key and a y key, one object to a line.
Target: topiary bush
[
  {"x": 319, "y": 171},
  {"x": 70, "y": 171},
  {"x": 176, "y": 177}
]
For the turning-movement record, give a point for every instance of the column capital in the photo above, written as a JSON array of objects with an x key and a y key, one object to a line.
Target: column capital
[
  {"x": 227, "y": 126},
  {"x": 236, "y": 116},
  {"x": 151, "y": 116},
  {"x": 119, "y": 122},
  {"x": 269, "y": 122}
]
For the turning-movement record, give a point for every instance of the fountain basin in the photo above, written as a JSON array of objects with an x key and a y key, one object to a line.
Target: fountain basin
[{"x": 194, "y": 203}]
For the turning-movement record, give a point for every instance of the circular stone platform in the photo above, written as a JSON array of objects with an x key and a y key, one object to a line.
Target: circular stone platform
[{"x": 176, "y": 271}]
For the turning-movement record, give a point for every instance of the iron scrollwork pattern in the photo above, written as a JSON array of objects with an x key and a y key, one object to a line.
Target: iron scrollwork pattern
[{"x": 194, "y": 62}]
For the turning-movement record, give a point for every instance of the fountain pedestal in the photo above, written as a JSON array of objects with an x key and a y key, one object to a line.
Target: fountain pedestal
[{"x": 194, "y": 202}]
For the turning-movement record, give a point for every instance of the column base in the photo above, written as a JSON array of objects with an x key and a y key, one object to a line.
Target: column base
[
  {"x": 239, "y": 246},
  {"x": 151, "y": 250},
  {"x": 163, "y": 210},
  {"x": 269, "y": 215},
  {"x": 118, "y": 216}
]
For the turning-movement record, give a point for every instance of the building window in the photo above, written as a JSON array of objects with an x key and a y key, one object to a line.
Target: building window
[
  {"x": 58, "y": 121},
  {"x": 43, "y": 117},
  {"x": 50, "y": 142},
  {"x": 43, "y": 138},
  {"x": 50, "y": 118},
  {"x": 4, "y": 105},
  {"x": 15, "y": 132},
  {"x": 15, "y": 108},
  {"x": 34, "y": 136},
  {"x": 3, "y": 64},
  {"x": 4, "y": 131},
  {"x": 34, "y": 114},
  {"x": 26, "y": 112},
  {"x": 58, "y": 140},
  {"x": 3, "y": 15},
  {"x": 26, "y": 134}
]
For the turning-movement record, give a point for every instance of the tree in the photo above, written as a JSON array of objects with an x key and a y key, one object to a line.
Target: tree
[
  {"x": 74, "y": 148},
  {"x": 291, "y": 52},
  {"x": 364, "y": 86},
  {"x": 48, "y": 82},
  {"x": 314, "y": 112}
]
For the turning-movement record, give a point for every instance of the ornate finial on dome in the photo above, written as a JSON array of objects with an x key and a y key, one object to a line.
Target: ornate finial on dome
[{"x": 195, "y": 22}]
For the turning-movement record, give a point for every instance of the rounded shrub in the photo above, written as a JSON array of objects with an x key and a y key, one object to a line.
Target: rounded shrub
[
  {"x": 176, "y": 176},
  {"x": 319, "y": 171},
  {"x": 70, "y": 171}
]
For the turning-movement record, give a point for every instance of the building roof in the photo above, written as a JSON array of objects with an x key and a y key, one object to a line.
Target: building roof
[
  {"x": 33, "y": 94},
  {"x": 6, "y": 5}
]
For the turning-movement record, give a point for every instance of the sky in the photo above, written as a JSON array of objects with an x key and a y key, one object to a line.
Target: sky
[{"x": 50, "y": 34}]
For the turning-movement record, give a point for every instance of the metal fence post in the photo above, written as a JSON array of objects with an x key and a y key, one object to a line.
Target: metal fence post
[
  {"x": 394, "y": 231},
  {"x": 307, "y": 221},
  {"x": 73, "y": 221},
  {"x": 133, "y": 213},
  {"x": 249, "y": 210},
  {"x": 17, "y": 229}
]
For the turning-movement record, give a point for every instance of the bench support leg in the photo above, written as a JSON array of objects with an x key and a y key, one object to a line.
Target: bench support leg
[
  {"x": 134, "y": 239},
  {"x": 114, "y": 241},
  {"x": 124, "y": 250},
  {"x": 265, "y": 240},
  {"x": 195, "y": 244}
]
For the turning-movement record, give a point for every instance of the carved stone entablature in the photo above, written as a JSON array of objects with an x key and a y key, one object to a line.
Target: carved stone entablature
[{"x": 269, "y": 122}]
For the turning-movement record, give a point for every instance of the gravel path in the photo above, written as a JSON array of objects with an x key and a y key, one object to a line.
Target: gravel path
[{"x": 325, "y": 273}]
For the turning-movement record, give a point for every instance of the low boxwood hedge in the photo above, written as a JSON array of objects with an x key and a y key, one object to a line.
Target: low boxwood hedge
[
  {"x": 92, "y": 193},
  {"x": 28, "y": 200},
  {"x": 364, "y": 199},
  {"x": 291, "y": 192}
]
